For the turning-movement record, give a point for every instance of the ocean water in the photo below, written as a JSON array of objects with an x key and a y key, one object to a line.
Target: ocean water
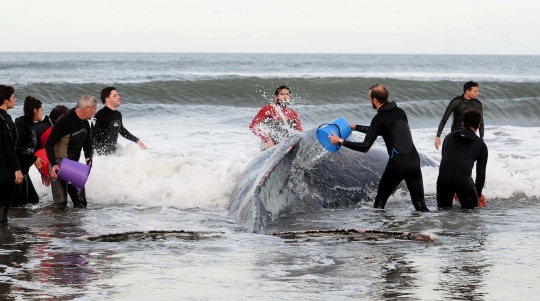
[{"x": 193, "y": 112}]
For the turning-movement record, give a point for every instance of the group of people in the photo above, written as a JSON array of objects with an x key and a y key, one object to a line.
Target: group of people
[
  {"x": 32, "y": 140},
  {"x": 462, "y": 148},
  {"x": 29, "y": 140}
]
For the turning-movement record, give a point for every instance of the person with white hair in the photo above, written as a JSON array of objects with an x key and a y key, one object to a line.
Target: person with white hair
[{"x": 70, "y": 135}]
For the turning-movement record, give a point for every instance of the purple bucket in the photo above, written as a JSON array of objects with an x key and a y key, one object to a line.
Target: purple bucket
[{"x": 73, "y": 172}]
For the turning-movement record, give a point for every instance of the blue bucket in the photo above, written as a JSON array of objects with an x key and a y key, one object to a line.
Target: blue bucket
[{"x": 340, "y": 127}]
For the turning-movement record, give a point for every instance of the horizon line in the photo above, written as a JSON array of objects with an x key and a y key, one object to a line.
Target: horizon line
[{"x": 273, "y": 53}]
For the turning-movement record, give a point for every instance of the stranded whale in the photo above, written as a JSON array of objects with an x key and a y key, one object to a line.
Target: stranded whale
[{"x": 300, "y": 176}]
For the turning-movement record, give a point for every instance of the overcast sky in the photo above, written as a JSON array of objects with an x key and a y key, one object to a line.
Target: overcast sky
[{"x": 292, "y": 26}]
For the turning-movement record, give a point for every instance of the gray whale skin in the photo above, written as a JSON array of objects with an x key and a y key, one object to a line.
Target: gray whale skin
[{"x": 299, "y": 175}]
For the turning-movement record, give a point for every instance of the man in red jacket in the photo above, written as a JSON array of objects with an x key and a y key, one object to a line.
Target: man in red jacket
[{"x": 276, "y": 121}]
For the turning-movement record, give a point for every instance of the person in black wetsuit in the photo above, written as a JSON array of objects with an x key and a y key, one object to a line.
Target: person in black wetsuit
[
  {"x": 461, "y": 149},
  {"x": 69, "y": 136},
  {"x": 404, "y": 163},
  {"x": 26, "y": 146},
  {"x": 107, "y": 124},
  {"x": 10, "y": 171},
  {"x": 457, "y": 106}
]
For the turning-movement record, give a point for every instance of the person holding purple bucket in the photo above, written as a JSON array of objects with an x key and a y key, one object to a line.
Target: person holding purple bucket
[{"x": 69, "y": 136}]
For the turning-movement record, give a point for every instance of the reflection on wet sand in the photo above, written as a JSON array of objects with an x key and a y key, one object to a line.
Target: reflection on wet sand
[
  {"x": 461, "y": 274},
  {"x": 34, "y": 266}
]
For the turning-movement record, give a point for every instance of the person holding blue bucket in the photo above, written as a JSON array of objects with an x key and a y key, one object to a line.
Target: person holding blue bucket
[
  {"x": 324, "y": 132},
  {"x": 69, "y": 136},
  {"x": 404, "y": 162}
]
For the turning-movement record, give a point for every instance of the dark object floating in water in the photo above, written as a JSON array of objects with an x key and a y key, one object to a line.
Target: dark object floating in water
[
  {"x": 356, "y": 234},
  {"x": 153, "y": 234}
]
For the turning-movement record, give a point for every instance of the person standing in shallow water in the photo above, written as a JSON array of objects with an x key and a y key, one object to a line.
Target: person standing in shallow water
[
  {"x": 404, "y": 163},
  {"x": 276, "y": 121},
  {"x": 26, "y": 146},
  {"x": 69, "y": 136},
  {"x": 10, "y": 171},
  {"x": 43, "y": 130},
  {"x": 461, "y": 149},
  {"x": 457, "y": 106},
  {"x": 107, "y": 124}
]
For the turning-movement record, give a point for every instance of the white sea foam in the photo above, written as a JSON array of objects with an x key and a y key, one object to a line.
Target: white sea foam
[
  {"x": 197, "y": 153},
  {"x": 513, "y": 168}
]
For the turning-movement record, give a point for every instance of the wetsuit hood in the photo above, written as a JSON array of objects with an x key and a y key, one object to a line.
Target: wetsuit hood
[
  {"x": 466, "y": 133},
  {"x": 387, "y": 106}
]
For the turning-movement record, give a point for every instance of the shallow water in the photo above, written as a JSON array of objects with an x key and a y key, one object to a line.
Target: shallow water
[
  {"x": 192, "y": 111},
  {"x": 482, "y": 254}
]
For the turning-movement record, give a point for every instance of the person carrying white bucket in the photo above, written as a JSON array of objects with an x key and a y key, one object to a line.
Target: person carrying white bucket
[
  {"x": 69, "y": 136},
  {"x": 276, "y": 121},
  {"x": 404, "y": 162}
]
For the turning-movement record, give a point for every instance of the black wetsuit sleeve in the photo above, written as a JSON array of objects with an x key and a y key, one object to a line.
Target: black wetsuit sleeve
[
  {"x": 481, "y": 164},
  {"x": 371, "y": 136},
  {"x": 124, "y": 132},
  {"x": 362, "y": 128},
  {"x": 23, "y": 139},
  {"x": 60, "y": 129},
  {"x": 451, "y": 107},
  {"x": 481, "y": 130},
  {"x": 9, "y": 144},
  {"x": 87, "y": 147}
]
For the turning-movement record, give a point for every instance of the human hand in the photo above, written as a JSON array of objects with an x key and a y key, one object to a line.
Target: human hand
[
  {"x": 333, "y": 138},
  {"x": 141, "y": 144},
  {"x": 270, "y": 143},
  {"x": 18, "y": 177},
  {"x": 88, "y": 161},
  {"x": 482, "y": 201},
  {"x": 353, "y": 126},
  {"x": 437, "y": 142},
  {"x": 54, "y": 169},
  {"x": 38, "y": 163},
  {"x": 45, "y": 180}
]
